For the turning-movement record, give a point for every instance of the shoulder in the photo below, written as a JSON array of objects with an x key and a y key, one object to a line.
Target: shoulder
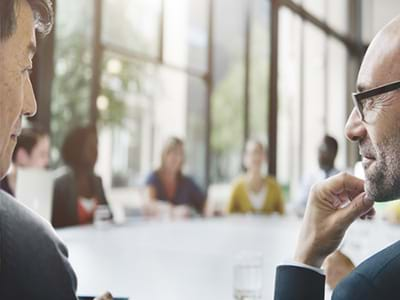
[
  {"x": 24, "y": 226},
  {"x": 271, "y": 182},
  {"x": 239, "y": 182},
  {"x": 376, "y": 278},
  {"x": 65, "y": 177},
  {"x": 152, "y": 178},
  {"x": 189, "y": 182},
  {"x": 31, "y": 247},
  {"x": 239, "y": 185}
]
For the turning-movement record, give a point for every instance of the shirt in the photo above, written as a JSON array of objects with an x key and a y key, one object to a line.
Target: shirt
[{"x": 187, "y": 192}]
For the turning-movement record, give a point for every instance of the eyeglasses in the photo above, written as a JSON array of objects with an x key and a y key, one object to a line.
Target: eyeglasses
[{"x": 361, "y": 99}]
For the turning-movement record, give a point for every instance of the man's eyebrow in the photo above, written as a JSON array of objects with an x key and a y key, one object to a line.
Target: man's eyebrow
[{"x": 361, "y": 87}]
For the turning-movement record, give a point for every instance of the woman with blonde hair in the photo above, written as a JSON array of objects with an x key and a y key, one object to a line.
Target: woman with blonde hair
[
  {"x": 253, "y": 192},
  {"x": 168, "y": 185}
]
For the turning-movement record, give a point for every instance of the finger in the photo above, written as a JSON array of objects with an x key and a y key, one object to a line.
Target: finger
[
  {"x": 344, "y": 183},
  {"x": 358, "y": 207},
  {"x": 369, "y": 214}
]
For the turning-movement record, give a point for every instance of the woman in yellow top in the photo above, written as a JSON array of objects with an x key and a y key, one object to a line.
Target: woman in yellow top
[{"x": 253, "y": 192}]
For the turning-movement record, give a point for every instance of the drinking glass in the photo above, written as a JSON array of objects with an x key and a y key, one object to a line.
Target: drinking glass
[{"x": 248, "y": 276}]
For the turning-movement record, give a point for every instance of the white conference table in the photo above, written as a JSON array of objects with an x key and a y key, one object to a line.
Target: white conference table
[{"x": 181, "y": 260}]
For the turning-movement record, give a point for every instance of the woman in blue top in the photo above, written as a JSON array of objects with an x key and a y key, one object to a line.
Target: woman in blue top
[{"x": 169, "y": 185}]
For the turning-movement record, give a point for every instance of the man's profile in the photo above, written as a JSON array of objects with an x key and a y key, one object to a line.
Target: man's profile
[
  {"x": 33, "y": 261},
  {"x": 374, "y": 124}
]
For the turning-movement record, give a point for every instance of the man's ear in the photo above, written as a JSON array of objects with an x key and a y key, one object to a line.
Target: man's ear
[{"x": 22, "y": 157}]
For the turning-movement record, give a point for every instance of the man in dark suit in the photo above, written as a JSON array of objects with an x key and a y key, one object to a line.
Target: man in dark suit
[
  {"x": 374, "y": 124},
  {"x": 33, "y": 261}
]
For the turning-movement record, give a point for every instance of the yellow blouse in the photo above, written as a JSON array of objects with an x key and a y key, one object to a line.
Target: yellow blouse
[{"x": 240, "y": 202}]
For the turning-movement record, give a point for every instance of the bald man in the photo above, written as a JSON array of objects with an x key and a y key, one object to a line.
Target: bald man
[{"x": 374, "y": 124}]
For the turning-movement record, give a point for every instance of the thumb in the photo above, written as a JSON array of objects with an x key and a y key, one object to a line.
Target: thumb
[{"x": 356, "y": 208}]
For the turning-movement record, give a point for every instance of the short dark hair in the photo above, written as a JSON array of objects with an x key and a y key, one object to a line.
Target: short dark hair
[
  {"x": 28, "y": 140},
  {"x": 42, "y": 13},
  {"x": 331, "y": 144},
  {"x": 74, "y": 142}
]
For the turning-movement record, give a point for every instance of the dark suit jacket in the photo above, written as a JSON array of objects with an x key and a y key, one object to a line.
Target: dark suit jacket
[
  {"x": 377, "y": 278},
  {"x": 65, "y": 197},
  {"x": 33, "y": 261}
]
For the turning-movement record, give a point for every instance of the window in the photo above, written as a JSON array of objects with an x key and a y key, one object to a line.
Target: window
[
  {"x": 312, "y": 91},
  {"x": 259, "y": 70},
  {"x": 289, "y": 92},
  {"x": 137, "y": 28},
  {"x": 186, "y": 34},
  {"x": 73, "y": 55},
  {"x": 314, "y": 95},
  {"x": 337, "y": 97}
]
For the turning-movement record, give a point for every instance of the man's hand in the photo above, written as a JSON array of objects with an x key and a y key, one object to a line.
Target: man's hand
[
  {"x": 337, "y": 266},
  {"x": 332, "y": 206},
  {"x": 106, "y": 296}
]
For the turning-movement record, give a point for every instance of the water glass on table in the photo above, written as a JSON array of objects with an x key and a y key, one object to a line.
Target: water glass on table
[
  {"x": 248, "y": 276},
  {"x": 102, "y": 216}
]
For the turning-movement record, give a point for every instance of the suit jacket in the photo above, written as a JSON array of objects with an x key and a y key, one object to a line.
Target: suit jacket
[
  {"x": 377, "y": 278},
  {"x": 65, "y": 197},
  {"x": 33, "y": 261}
]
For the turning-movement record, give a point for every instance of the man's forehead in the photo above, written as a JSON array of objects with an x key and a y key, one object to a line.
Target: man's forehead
[
  {"x": 381, "y": 64},
  {"x": 23, "y": 40}
]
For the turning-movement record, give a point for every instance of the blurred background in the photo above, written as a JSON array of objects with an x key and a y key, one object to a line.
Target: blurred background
[{"x": 215, "y": 73}]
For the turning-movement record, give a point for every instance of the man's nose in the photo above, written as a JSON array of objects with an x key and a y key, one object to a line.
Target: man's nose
[
  {"x": 29, "y": 102},
  {"x": 355, "y": 129}
]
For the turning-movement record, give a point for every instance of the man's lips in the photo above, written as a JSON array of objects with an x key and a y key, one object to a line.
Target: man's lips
[{"x": 367, "y": 161}]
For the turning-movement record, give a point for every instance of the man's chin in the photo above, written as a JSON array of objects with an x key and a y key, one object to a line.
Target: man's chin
[
  {"x": 378, "y": 193},
  {"x": 4, "y": 169}
]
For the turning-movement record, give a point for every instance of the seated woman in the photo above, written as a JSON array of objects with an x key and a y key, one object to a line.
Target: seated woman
[
  {"x": 31, "y": 151},
  {"x": 78, "y": 192},
  {"x": 253, "y": 192},
  {"x": 168, "y": 185}
]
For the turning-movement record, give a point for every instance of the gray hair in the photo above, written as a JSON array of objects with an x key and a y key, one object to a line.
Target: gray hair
[{"x": 42, "y": 13}]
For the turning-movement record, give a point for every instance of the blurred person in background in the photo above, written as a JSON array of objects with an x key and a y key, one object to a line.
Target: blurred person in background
[
  {"x": 169, "y": 190},
  {"x": 254, "y": 192},
  {"x": 392, "y": 212},
  {"x": 327, "y": 152},
  {"x": 78, "y": 193},
  {"x": 31, "y": 151}
]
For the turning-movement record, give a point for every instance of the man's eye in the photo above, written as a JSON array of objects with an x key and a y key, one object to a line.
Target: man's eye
[{"x": 367, "y": 104}]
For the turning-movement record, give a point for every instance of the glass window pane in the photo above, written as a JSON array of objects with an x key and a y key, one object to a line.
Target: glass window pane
[
  {"x": 337, "y": 97},
  {"x": 125, "y": 105},
  {"x": 315, "y": 7},
  {"x": 228, "y": 95},
  {"x": 141, "y": 105},
  {"x": 196, "y": 132},
  {"x": 337, "y": 15},
  {"x": 186, "y": 33},
  {"x": 132, "y": 24},
  {"x": 72, "y": 78},
  {"x": 289, "y": 90},
  {"x": 314, "y": 95},
  {"x": 259, "y": 69}
]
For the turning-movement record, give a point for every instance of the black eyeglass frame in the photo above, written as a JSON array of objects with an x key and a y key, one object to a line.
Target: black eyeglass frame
[{"x": 358, "y": 97}]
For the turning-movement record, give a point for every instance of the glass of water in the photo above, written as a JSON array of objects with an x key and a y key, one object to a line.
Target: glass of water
[
  {"x": 248, "y": 275},
  {"x": 102, "y": 217}
]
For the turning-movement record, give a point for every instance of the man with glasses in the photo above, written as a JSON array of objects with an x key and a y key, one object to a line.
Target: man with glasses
[{"x": 336, "y": 203}]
